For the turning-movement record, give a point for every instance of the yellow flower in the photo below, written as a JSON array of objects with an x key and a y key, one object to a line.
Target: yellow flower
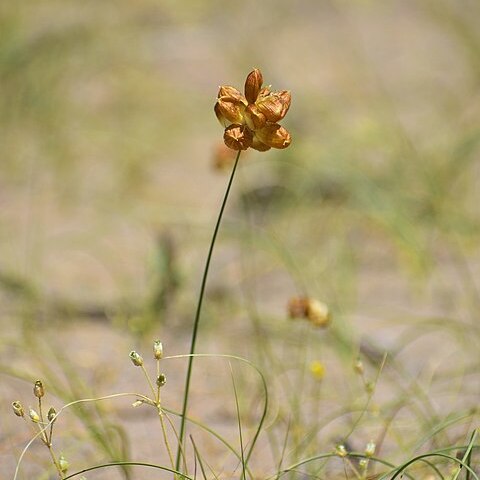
[
  {"x": 250, "y": 120},
  {"x": 317, "y": 369}
]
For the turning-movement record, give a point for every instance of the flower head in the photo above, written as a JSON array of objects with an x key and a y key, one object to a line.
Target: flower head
[
  {"x": 250, "y": 120},
  {"x": 38, "y": 389},
  {"x": 341, "y": 451},
  {"x": 18, "y": 409},
  {"x": 316, "y": 312},
  {"x": 157, "y": 349},
  {"x": 317, "y": 369},
  {"x": 34, "y": 416},
  {"x": 370, "y": 449},
  {"x": 51, "y": 415},
  {"x": 136, "y": 359}
]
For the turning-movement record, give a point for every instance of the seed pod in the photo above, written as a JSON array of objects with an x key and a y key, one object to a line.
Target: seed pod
[
  {"x": 253, "y": 85},
  {"x": 18, "y": 409},
  {"x": 275, "y": 105},
  {"x": 297, "y": 307},
  {"x": 254, "y": 118},
  {"x": 34, "y": 416},
  {"x": 318, "y": 313},
  {"x": 238, "y": 137},
  {"x": 38, "y": 389},
  {"x": 161, "y": 380},
  {"x": 157, "y": 349},
  {"x": 51, "y": 414},
  {"x": 229, "y": 111},
  {"x": 136, "y": 359},
  {"x": 274, "y": 136},
  {"x": 230, "y": 92}
]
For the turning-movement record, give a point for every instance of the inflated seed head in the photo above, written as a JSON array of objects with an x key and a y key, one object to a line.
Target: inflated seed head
[
  {"x": 18, "y": 409},
  {"x": 34, "y": 416},
  {"x": 38, "y": 389},
  {"x": 136, "y": 359},
  {"x": 161, "y": 380},
  {"x": 157, "y": 349},
  {"x": 51, "y": 414}
]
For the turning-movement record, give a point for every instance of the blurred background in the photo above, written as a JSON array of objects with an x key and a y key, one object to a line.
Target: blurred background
[{"x": 110, "y": 186}]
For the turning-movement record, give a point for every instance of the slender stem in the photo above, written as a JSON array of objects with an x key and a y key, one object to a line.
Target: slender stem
[
  {"x": 48, "y": 444},
  {"x": 55, "y": 461},
  {"x": 147, "y": 376},
  {"x": 197, "y": 314},
  {"x": 40, "y": 412},
  {"x": 165, "y": 436},
  {"x": 158, "y": 384}
]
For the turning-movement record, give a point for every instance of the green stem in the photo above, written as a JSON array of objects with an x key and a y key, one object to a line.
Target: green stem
[
  {"x": 165, "y": 436},
  {"x": 197, "y": 315},
  {"x": 149, "y": 380}
]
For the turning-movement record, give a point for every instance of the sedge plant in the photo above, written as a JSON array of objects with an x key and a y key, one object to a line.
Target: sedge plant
[{"x": 250, "y": 121}]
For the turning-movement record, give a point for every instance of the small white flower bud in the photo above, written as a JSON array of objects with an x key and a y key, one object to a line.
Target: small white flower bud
[
  {"x": 341, "y": 451},
  {"x": 157, "y": 349},
  {"x": 63, "y": 464},
  {"x": 370, "y": 449},
  {"x": 34, "y": 416}
]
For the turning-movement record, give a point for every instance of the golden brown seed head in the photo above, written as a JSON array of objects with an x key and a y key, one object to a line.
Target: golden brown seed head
[
  {"x": 275, "y": 105},
  {"x": 18, "y": 409},
  {"x": 229, "y": 110},
  {"x": 297, "y": 307},
  {"x": 259, "y": 146},
  {"x": 254, "y": 118},
  {"x": 253, "y": 85},
  {"x": 230, "y": 92},
  {"x": 309, "y": 309},
  {"x": 38, "y": 389},
  {"x": 318, "y": 313},
  {"x": 251, "y": 120},
  {"x": 238, "y": 137},
  {"x": 274, "y": 136}
]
